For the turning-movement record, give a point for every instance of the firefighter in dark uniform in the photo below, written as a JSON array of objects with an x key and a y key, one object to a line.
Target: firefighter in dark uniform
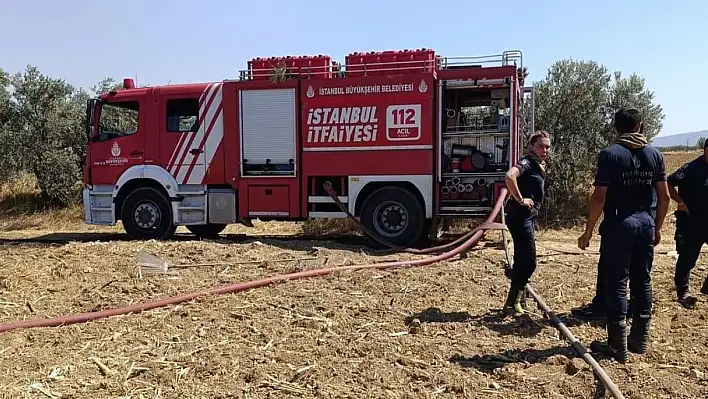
[
  {"x": 595, "y": 310},
  {"x": 627, "y": 174},
  {"x": 691, "y": 222},
  {"x": 525, "y": 182}
]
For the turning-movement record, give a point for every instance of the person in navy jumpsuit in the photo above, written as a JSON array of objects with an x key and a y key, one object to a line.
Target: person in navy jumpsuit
[
  {"x": 630, "y": 174},
  {"x": 595, "y": 310},
  {"x": 691, "y": 222},
  {"x": 526, "y": 185}
]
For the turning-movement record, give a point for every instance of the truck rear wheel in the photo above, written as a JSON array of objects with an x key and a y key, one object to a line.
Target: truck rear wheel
[
  {"x": 146, "y": 214},
  {"x": 210, "y": 230},
  {"x": 395, "y": 215}
]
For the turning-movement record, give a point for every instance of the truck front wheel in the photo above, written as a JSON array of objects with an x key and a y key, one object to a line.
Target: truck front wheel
[
  {"x": 395, "y": 215},
  {"x": 146, "y": 214}
]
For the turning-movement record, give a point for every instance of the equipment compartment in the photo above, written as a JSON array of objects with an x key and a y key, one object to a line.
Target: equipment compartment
[
  {"x": 268, "y": 200},
  {"x": 475, "y": 192},
  {"x": 475, "y": 125},
  {"x": 476, "y": 111},
  {"x": 268, "y": 121},
  {"x": 486, "y": 154}
]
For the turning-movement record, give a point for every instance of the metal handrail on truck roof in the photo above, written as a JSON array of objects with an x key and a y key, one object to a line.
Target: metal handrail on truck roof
[
  {"x": 507, "y": 58},
  {"x": 336, "y": 69}
]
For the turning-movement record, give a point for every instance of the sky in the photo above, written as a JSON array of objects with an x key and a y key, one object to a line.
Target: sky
[{"x": 179, "y": 41}]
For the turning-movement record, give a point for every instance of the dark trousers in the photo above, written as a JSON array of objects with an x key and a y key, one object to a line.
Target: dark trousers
[
  {"x": 627, "y": 252},
  {"x": 522, "y": 233},
  {"x": 598, "y": 301},
  {"x": 690, "y": 236}
]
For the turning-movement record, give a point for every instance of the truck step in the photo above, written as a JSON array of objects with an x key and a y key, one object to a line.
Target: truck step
[
  {"x": 190, "y": 208},
  {"x": 190, "y": 193},
  {"x": 465, "y": 210}
]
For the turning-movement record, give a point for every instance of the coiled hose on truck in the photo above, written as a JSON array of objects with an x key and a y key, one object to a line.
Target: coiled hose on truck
[{"x": 473, "y": 235}]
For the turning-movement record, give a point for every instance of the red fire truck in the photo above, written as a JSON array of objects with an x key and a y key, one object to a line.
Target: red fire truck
[{"x": 404, "y": 137}]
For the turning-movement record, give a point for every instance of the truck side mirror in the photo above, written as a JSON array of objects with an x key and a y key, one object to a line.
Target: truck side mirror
[{"x": 91, "y": 106}]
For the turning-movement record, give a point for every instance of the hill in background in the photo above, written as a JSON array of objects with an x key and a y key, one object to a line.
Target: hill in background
[{"x": 684, "y": 139}]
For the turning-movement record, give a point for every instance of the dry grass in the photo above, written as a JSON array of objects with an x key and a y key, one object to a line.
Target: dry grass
[
  {"x": 675, "y": 160},
  {"x": 22, "y": 208},
  {"x": 350, "y": 335}
]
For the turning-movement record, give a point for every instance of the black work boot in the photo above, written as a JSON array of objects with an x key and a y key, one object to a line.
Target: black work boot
[
  {"x": 512, "y": 306},
  {"x": 685, "y": 298},
  {"x": 589, "y": 312},
  {"x": 639, "y": 334},
  {"x": 616, "y": 345}
]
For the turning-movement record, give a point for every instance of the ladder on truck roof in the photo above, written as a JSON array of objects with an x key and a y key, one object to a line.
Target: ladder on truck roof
[{"x": 362, "y": 64}]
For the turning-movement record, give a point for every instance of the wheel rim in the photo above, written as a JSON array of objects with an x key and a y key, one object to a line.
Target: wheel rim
[
  {"x": 147, "y": 215},
  {"x": 390, "y": 218}
]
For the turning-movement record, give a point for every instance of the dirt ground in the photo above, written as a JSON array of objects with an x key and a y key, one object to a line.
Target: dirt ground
[{"x": 347, "y": 335}]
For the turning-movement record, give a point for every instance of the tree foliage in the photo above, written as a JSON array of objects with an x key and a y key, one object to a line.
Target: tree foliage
[
  {"x": 42, "y": 133},
  {"x": 576, "y": 102}
]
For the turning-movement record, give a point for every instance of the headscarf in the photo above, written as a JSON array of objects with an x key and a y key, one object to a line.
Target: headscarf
[{"x": 634, "y": 140}]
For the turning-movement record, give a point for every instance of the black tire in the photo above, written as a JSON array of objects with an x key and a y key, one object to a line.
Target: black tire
[
  {"x": 210, "y": 230},
  {"x": 146, "y": 215},
  {"x": 395, "y": 215}
]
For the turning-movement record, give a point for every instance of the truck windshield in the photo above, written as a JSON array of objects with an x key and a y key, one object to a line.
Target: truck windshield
[{"x": 118, "y": 119}]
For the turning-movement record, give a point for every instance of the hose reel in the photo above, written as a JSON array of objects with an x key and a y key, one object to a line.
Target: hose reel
[{"x": 477, "y": 159}]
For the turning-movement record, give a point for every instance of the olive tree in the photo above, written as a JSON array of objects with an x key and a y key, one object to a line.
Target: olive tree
[
  {"x": 576, "y": 102},
  {"x": 45, "y": 134}
]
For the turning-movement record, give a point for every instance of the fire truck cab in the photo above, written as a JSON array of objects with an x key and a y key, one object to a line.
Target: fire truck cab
[{"x": 404, "y": 138}]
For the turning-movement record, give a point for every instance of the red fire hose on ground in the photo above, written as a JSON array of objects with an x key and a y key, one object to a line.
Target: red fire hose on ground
[
  {"x": 439, "y": 249},
  {"x": 474, "y": 237}
]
